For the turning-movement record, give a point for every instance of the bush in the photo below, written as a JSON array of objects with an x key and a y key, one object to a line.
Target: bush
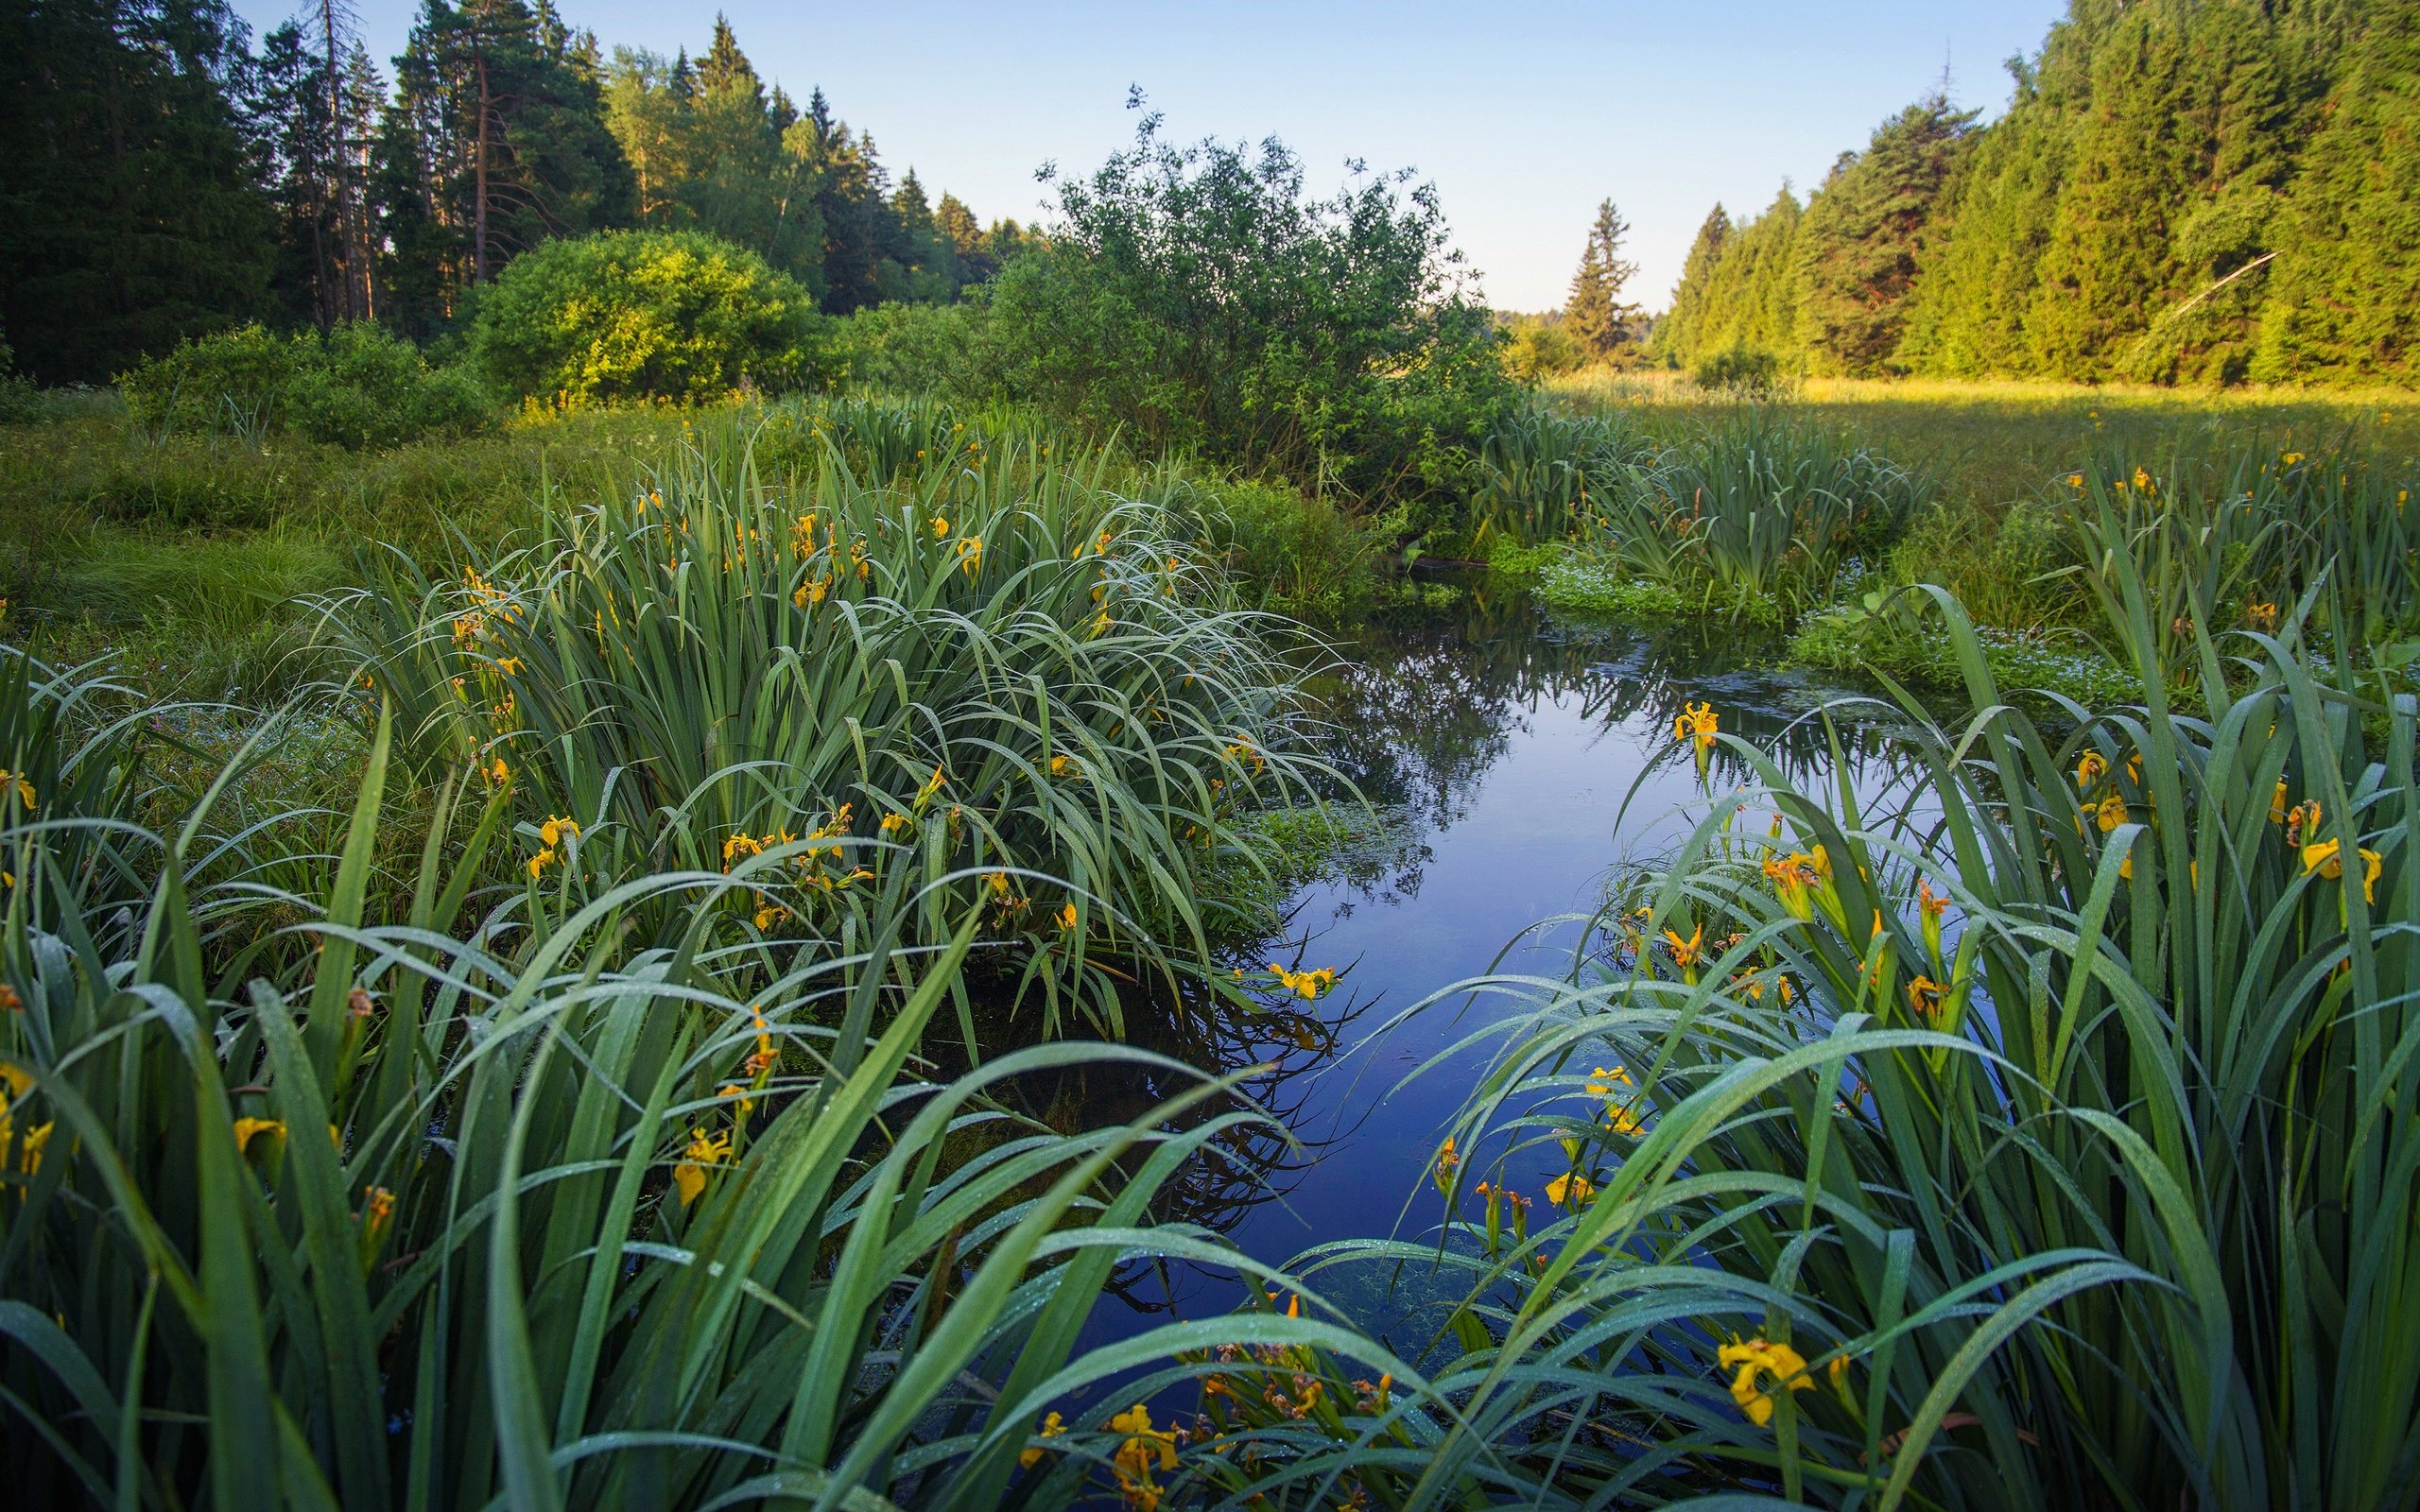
[
  {"x": 362, "y": 386},
  {"x": 1745, "y": 373},
  {"x": 1539, "y": 346},
  {"x": 676, "y": 315},
  {"x": 357, "y": 385},
  {"x": 1195, "y": 297}
]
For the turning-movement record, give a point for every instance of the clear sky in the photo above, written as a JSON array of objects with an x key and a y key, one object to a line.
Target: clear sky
[{"x": 1525, "y": 114}]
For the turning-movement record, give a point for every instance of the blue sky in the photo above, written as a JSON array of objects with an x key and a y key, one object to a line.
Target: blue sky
[{"x": 1525, "y": 114}]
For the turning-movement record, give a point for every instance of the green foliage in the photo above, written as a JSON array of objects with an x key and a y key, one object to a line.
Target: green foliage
[
  {"x": 2348, "y": 286},
  {"x": 1752, "y": 373},
  {"x": 970, "y": 666},
  {"x": 496, "y": 142},
  {"x": 1864, "y": 232},
  {"x": 1755, "y": 518},
  {"x": 356, "y": 385},
  {"x": 2015, "y": 1142},
  {"x": 1595, "y": 314},
  {"x": 1301, "y": 555},
  {"x": 130, "y": 217},
  {"x": 1537, "y": 466},
  {"x": 1540, "y": 346},
  {"x": 450, "y": 1208},
  {"x": 1747, "y": 292},
  {"x": 1195, "y": 297},
  {"x": 644, "y": 315},
  {"x": 2179, "y": 192}
]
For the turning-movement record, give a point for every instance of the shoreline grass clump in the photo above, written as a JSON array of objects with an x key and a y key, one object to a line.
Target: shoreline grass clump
[
  {"x": 464, "y": 1204},
  {"x": 2037, "y": 1134},
  {"x": 844, "y": 690}
]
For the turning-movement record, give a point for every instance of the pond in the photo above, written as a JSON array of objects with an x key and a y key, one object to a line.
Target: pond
[{"x": 1523, "y": 764}]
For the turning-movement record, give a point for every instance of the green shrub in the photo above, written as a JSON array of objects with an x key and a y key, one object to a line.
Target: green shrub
[
  {"x": 1537, "y": 347},
  {"x": 356, "y": 385},
  {"x": 1196, "y": 298},
  {"x": 360, "y": 385},
  {"x": 677, "y": 316},
  {"x": 1742, "y": 372},
  {"x": 1304, "y": 555}
]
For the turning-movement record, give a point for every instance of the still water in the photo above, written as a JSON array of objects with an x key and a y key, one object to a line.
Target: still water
[{"x": 1524, "y": 765}]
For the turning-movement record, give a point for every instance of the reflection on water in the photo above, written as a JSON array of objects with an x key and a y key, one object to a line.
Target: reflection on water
[{"x": 1522, "y": 762}]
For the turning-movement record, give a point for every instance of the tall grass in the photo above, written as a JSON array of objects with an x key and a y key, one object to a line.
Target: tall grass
[
  {"x": 2044, "y": 1139},
  {"x": 478, "y": 1206},
  {"x": 997, "y": 666},
  {"x": 1754, "y": 516}
]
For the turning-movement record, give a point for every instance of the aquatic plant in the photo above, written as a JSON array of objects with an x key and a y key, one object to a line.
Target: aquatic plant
[
  {"x": 2042, "y": 1139},
  {"x": 845, "y": 690},
  {"x": 474, "y": 1203}
]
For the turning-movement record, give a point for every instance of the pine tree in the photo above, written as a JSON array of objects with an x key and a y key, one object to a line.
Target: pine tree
[
  {"x": 1864, "y": 232},
  {"x": 496, "y": 140},
  {"x": 1595, "y": 312}
]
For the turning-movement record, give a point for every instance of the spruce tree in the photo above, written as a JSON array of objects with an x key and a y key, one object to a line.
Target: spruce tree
[
  {"x": 1679, "y": 334},
  {"x": 1594, "y": 313},
  {"x": 2344, "y": 304},
  {"x": 1864, "y": 232}
]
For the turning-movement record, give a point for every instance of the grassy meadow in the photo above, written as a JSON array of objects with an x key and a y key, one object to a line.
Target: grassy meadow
[{"x": 521, "y": 949}]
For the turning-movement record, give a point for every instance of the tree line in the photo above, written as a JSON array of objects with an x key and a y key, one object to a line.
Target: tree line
[
  {"x": 2180, "y": 191},
  {"x": 161, "y": 176}
]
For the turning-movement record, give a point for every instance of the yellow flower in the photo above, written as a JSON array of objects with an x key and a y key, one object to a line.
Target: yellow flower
[
  {"x": 2291, "y": 457},
  {"x": 1924, "y": 996},
  {"x": 2111, "y": 812},
  {"x": 1067, "y": 916},
  {"x": 556, "y": 829},
  {"x": 2090, "y": 768},
  {"x": 2075, "y": 480},
  {"x": 2325, "y": 857},
  {"x": 1756, "y": 1357},
  {"x": 1685, "y": 951},
  {"x": 689, "y": 1176},
  {"x": 1145, "y": 1449},
  {"x": 2278, "y": 803},
  {"x": 539, "y": 863},
  {"x": 246, "y": 1128},
  {"x": 1696, "y": 722},
  {"x": 1447, "y": 1160},
  {"x": 17, "y": 781},
  {"x": 970, "y": 554},
  {"x": 1310, "y": 984},
  {"x": 941, "y": 526},
  {"x": 15, "y": 1082},
  {"x": 1604, "y": 1083},
  {"x": 1051, "y": 1427},
  {"x": 2143, "y": 482},
  {"x": 894, "y": 821},
  {"x": 1572, "y": 1186}
]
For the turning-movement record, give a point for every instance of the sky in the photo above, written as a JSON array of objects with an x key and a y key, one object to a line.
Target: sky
[{"x": 1525, "y": 114}]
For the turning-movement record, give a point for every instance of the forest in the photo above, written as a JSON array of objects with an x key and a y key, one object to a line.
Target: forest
[
  {"x": 681, "y": 829},
  {"x": 2178, "y": 192}
]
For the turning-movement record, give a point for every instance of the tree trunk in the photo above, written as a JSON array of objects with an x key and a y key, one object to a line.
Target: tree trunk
[{"x": 479, "y": 178}]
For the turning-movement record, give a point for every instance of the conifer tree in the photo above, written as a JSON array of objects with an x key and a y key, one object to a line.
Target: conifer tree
[
  {"x": 1594, "y": 313},
  {"x": 130, "y": 208},
  {"x": 496, "y": 140},
  {"x": 1678, "y": 334},
  {"x": 2346, "y": 302},
  {"x": 1864, "y": 232}
]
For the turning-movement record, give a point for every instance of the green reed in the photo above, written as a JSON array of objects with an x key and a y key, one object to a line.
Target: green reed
[
  {"x": 2041, "y": 1135},
  {"x": 475, "y": 1204}
]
